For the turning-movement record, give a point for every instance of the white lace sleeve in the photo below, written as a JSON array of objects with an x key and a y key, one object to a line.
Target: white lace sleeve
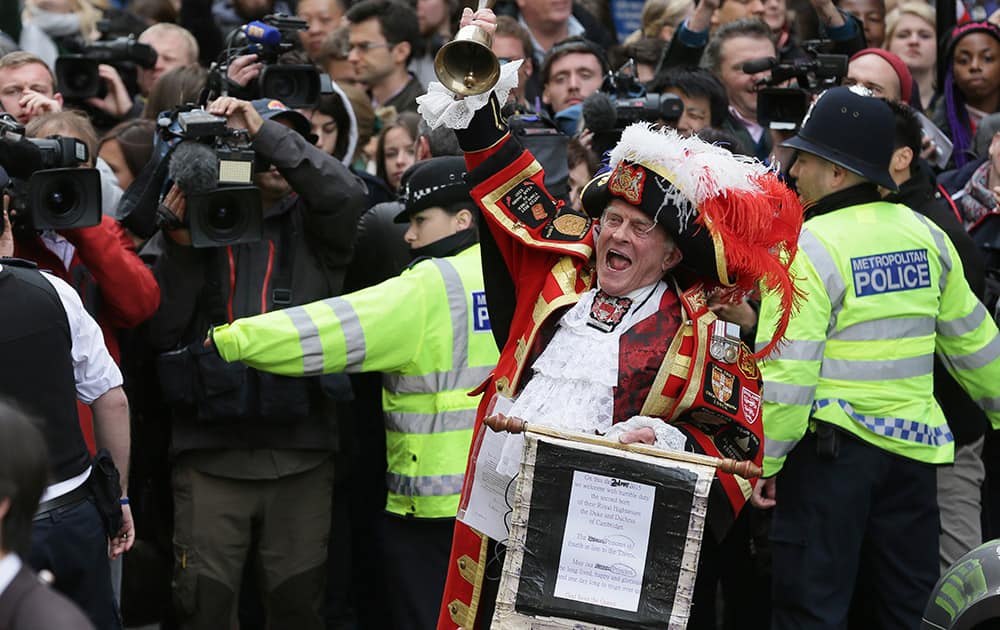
[
  {"x": 441, "y": 106},
  {"x": 668, "y": 437}
]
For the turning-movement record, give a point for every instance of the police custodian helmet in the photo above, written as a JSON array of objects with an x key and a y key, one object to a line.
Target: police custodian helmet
[{"x": 853, "y": 131}]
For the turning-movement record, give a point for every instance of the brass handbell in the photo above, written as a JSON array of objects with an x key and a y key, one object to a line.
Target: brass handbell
[{"x": 466, "y": 65}]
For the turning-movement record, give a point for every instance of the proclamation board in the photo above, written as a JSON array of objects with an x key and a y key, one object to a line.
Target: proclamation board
[{"x": 601, "y": 538}]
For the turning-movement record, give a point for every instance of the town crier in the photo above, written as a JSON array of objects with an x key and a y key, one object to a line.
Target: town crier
[{"x": 603, "y": 316}]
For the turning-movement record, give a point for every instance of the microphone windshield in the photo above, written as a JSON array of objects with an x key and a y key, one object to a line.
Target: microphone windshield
[
  {"x": 194, "y": 167},
  {"x": 599, "y": 113}
]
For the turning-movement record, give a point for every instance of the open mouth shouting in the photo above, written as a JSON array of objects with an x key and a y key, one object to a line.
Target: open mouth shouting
[{"x": 617, "y": 261}]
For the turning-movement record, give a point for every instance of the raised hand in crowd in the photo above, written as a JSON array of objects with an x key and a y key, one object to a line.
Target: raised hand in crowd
[
  {"x": 117, "y": 101},
  {"x": 828, "y": 14},
  {"x": 244, "y": 69},
  {"x": 701, "y": 18},
  {"x": 34, "y": 103},
  {"x": 240, "y": 114},
  {"x": 483, "y": 18},
  {"x": 174, "y": 206}
]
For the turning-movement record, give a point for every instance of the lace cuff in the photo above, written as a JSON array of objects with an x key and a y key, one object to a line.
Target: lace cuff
[{"x": 439, "y": 106}]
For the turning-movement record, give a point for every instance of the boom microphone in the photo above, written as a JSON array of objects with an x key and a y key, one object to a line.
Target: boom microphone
[
  {"x": 194, "y": 168},
  {"x": 599, "y": 113},
  {"x": 755, "y": 66}
]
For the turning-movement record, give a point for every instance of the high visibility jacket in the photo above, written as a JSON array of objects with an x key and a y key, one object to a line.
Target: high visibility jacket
[
  {"x": 428, "y": 330},
  {"x": 884, "y": 290}
]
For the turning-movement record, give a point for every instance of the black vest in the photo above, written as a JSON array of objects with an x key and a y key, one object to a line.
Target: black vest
[{"x": 36, "y": 364}]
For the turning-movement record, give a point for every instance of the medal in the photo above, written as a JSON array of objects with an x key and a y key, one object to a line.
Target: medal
[
  {"x": 608, "y": 311},
  {"x": 725, "y": 344}
]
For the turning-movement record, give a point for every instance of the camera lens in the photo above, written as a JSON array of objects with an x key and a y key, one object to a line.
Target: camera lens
[
  {"x": 225, "y": 216},
  {"x": 60, "y": 198},
  {"x": 282, "y": 86}
]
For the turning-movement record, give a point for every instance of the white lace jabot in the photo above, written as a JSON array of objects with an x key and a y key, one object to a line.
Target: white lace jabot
[{"x": 574, "y": 378}]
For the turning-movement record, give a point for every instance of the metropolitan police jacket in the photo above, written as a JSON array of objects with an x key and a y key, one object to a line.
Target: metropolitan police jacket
[
  {"x": 921, "y": 194},
  {"x": 307, "y": 244},
  {"x": 885, "y": 291},
  {"x": 428, "y": 331}
]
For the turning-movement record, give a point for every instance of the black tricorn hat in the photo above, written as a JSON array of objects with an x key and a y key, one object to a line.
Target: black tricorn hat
[
  {"x": 734, "y": 221},
  {"x": 853, "y": 131},
  {"x": 438, "y": 181}
]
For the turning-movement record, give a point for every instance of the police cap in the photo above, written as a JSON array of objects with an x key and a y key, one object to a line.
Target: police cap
[
  {"x": 438, "y": 181},
  {"x": 852, "y": 131}
]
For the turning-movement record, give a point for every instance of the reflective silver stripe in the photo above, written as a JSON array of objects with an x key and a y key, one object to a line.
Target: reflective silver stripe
[
  {"x": 439, "y": 486},
  {"x": 942, "y": 246},
  {"x": 786, "y": 394},
  {"x": 828, "y": 272},
  {"x": 897, "y": 428},
  {"x": 312, "y": 348},
  {"x": 881, "y": 329},
  {"x": 984, "y": 356},
  {"x": 846, "y": 370},
  {"x": 778, "y": 448},
  {"x": 989, "y": 404},
  {"x": 800, "y": 351},
  {"x": 354, "y": 334},
  {"x": 426, "y": 423},
  {"x": 458, "y": 305},
  {"x": 963, "y": 325},
  {"x": 463, "y": 378}
]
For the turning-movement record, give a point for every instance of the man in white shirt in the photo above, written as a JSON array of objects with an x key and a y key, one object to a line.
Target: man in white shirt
[{"x": 59, "y": 356}]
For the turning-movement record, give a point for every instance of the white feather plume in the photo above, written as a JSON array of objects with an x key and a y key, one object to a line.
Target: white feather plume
[{"x": 697, "y": 169}]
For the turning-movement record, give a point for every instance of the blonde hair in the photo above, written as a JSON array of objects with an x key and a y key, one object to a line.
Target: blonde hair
[
  {"x": 164, "y": 28},
  {"x": 659, "y": 13},
  {"x": 84, "y": 10},
  {"x": 915, "y": 8},
  {"x": 20, "y": 58}
]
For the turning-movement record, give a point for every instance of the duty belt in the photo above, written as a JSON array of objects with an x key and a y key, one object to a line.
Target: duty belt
[{"x": 77, "y": 495}]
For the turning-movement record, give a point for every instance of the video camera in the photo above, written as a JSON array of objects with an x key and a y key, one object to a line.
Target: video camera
[
  {"x": 47, "y": 190},
  {"x": 77, "y": 75},
  {"x": 783, "y": 108},
  {"x": 295, "y": 85},
  {"x": 213, "y": 165},
  {"x": 632, "y": 102},
  {"x": 623, "y": 100}
]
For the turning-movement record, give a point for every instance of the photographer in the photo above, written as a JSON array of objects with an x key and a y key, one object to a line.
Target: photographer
[
  {"x": 99, "y": 261},
  {"x": 253, "y": 451},
  {"x": 28, "y": 90}
]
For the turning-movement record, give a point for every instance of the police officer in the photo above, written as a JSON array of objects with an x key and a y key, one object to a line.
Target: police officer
[
  {"x": 53, "y": 355},
  {"x": 852, "y": 428},
  {"x": 428, "y": 331}
]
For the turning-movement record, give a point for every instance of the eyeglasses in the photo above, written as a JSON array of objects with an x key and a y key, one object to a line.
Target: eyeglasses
[
  {"x": 364, "y": 47},
  {"x": 639, "y": 229}
]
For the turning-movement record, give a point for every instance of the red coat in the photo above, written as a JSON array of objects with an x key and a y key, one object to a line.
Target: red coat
[
  {"x": 115, "y": 285},
  {"x": 665, "y": 368}
]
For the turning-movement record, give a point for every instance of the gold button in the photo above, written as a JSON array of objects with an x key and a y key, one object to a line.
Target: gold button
[{"x": 461, "y": 563}]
